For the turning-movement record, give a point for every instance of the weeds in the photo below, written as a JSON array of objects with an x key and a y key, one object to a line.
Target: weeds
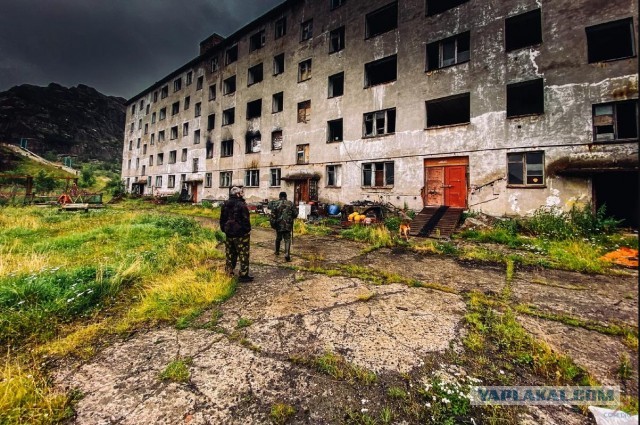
[
  {"x": 625, "y": 369},
  {"x": 281, "y": 413},
  {"x": 243, "y": 323},
  {"x": 377, "y": 236},
  {"x": 337, "y": 367},
  {"x": 177, "y": 371}
]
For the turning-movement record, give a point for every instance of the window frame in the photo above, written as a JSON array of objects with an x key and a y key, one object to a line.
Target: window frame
[
  {"x": 339, "y": 35},
  {"x": 252, "y": 74},
  {"x": 615, "y": 123},
  {"x": 306, "y": 30},
  {"x": 280, "y": 28},
  {"x": 277, "y": 102},
  {"x": 336, "y": 173},
  {"x": 374, "y": 127},
  {"x": 208, "y": 180},
  {"x": 386, "y": 174},
  {"x": 382, "y": 11},
  {"x": 307, "y": 115},
  {"x": 252, "y": 177},
  {"x": 512, "y": 90},
  {"x": 303, "y": 149},
  {"x": 228, "y": 117},
  {"x": 275, "y": 177},
  {"x": 441, "y": 47},
  {"x": 304, "y": 69},
  {"x": 517, "y": 22},
  {"x": 225, "y": 179},
  {"x": 226, "y": 148},
  {"x": 367, "y": 69},
  {"x": 525, "y": 174},
  {"x": 257, "y": 40},
  {"x": 331, "y": 139},
  {"x": 427, "y": 103},
  {"x": 278, "y": 67},
  {"x": 594, "y": 29}
]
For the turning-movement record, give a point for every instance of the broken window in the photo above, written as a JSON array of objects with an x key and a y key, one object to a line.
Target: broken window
[
  {"x": 525, "y": 98},
  {"x": 254, "y": 109},
  {"x": 276, "y": 140},
  {"x": 257, "y": 40},
  {"x": 161, "y": 136},
  {"x": 336, "y": 85},
  {"x": 171, "y": 181},
  {"x": 304, "y": 70},
  {"x": 382, "y": 20},
  {"x": 229, "y": 85},
  {"x": 255, "y": 74},
  {"x": 379, "y": 123},
  {"x": 163, "y": 113},
  {"x": 226, "y": 148},
  {"x": 278, "y": 64},
  {"x": 228, "y": 116},
  {"x": 185, "y": 129},
  {"x": 199, "y": 82},
  {"x": 280, "y": 27},
  {"x": 336, "y": 40},
  {"x": 196, "y": 137},
  {"x": 523, "y": 30},
  {"x": 139, "y": 124},
  {"x": 209, "y": 149},
  {"x": 130, "y": 144},
  {"x": 177, "y": 84},
  {"x": 183, "y": 157},
  {"x": 153, "y": 139},
  {"x": 175, "y": 108},
  {"x": 334, "y": 130},
  {"x": 131, "y": 128},
  {"x": 333, "y": 176},
  {"x": 158, "y": 181},
  {"x": 334, "y": 4},
  {"x": 610, "y": 41},
  {"x": 231, "y": 54},
  {"x": 208, "y": 179},
  {"x": 146, "y": 128},
  {"x": 138, "y": 144},
  {"x": 189, "y": 78},
  {"x": 212, "y": 92},
  {"x": 251, "y": 178},
  {"x": 155, "y": 96},
  {"x": 304, "y": 111},
  {"x": 164, "y": 92},
  {"x": 526, "y": 168},
  {"x": 144, "y": 170},
  {"x": 148, "y": 109},
  {"x": 213, "y": 64},
  {"x": 449, "y": 110},
  {"x": 144, "y": 149},
  {"x": 198, "y": 109},
  {"x": 438, "y": 6},
  {"x": 211, "y": 122},
  {"x": 302, "y": 154},
  {"x": 187, "y": 102},
  {"x": 615, "y": 121},
  {"x": 274, "y": 180},
  {"x": 160, "y": 158},
  {"x": 174, "y": 132},
  {"x": 253, "y": 142},
  {"x": 225, "y": 178},
  {"x": 381, "y": 71},
  {"x": 133, "y": 109},
  {"x": 306, "y": 30},
  {"x": 195, "y": 167},
  {"x": 153, "y": 118},
  {"x": 278, "y": 102},
  {"x": 447, "y": 52},
  {"x": 150, "y": 160},
  {"x": 378, "y": 174},
  {"x": 172, "y": 157}
]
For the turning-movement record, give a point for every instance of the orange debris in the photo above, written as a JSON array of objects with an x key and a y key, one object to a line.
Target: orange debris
[{"x": 623, "y": 256}]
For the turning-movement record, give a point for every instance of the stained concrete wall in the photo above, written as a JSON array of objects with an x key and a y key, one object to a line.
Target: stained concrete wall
[{"x": 571, "y": 87}]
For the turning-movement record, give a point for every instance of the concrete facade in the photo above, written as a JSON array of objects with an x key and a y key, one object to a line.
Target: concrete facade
[{"x": 560, "y": 125}]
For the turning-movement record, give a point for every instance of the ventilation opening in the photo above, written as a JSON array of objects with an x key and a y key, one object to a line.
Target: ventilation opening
[
  {"x": 382, "y": 20},
  {"x": 449, "y": 111},
  {"x": 381, "y": 71},
  {"x": 610, "y": 41},
  {"x": 523, "y": 30},
  {"x": 526, "y": 98},
  {"x": 438, "y": 6}
]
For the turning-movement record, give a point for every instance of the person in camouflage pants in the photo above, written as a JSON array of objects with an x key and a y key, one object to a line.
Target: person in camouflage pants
[
  {"x": 234, "y": 222},
  {"x": 282, "y": 216}
]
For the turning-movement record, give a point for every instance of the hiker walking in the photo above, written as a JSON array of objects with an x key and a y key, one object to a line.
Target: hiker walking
[
  {"x": 234, "y": 222},
  {"x": 281, "y": 221}
]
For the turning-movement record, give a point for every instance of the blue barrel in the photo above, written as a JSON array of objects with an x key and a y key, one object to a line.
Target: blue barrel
[{"x": 333, "y": 209}]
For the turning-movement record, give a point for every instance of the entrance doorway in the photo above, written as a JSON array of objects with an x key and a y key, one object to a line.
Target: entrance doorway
[
  {"x": 619, "y": 192},
  {"x": 445, "y": 182},
  {"x": 305, "y": 190}
]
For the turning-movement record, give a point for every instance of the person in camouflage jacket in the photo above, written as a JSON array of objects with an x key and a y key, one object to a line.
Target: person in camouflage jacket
[
  {"x": 282, "y": 216},
  {"x": 234, "y": 222}
]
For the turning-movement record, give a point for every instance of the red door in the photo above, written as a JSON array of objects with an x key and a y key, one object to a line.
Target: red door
[{"x": 455, "y": 186}]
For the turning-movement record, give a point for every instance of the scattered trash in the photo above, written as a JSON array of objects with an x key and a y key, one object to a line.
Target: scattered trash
[
  {"x": 612, "y": 417},
  {"x": 623, "y": 256}
]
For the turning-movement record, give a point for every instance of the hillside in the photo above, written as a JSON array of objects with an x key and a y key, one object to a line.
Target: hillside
[{"x": 76, "y": 121}]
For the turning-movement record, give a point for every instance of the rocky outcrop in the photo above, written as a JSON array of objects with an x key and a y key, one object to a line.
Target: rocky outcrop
[{"x": 74, "y": 121}]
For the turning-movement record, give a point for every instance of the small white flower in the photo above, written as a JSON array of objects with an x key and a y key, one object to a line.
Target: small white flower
[
  {"x": 363, "y": 410},
  {"x": 427, "y": 405},
  {"x": 364, "y": 400},
  {"x": 501, "y": 372},
  {"x": 69, "y": 300}
]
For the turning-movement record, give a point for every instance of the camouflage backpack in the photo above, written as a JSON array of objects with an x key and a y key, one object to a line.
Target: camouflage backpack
[{"x": 282, "y": 216}]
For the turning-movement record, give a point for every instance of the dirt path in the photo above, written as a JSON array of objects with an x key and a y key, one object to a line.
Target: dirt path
[{"x": 261, "y": 351}]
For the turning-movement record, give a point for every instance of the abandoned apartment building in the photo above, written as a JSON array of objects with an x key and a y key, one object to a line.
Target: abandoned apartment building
[{"x": 500, "y": 107}]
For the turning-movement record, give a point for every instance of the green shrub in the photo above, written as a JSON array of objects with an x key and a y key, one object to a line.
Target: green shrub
[
  {"x": 553, "y": 223},
  {"x": 393, "y": 223}
]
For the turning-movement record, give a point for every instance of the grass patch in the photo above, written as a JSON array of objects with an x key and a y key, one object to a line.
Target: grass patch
[
  {"x": 376, "y": 236},
  {"x": 243, "y": 323},
  {"x": 367, "y": 297},
  {"x": 177, "y": 371},
  {"x": 337, "y": 367},
  {"x": 397, "y": 393},
  {"x": 281, "y": 413}
]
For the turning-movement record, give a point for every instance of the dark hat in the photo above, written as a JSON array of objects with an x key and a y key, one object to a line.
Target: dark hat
[{"x": 283, "y": 195}]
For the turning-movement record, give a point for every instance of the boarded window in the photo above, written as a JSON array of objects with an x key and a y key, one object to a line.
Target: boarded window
[
  {"x": 254, "y": 109},
  {"x": 334, "y": 130},
  {"x": 379, "y": 123},
  {"x": 255, "y": 74},
  {"x": 610, "y": 41},
  {"x": 615, "y": 121},
  {"x": 336, "y": 85},
  {"x": 450, "y": 110},
  {"x": 523, "y": 30},
  {"x": 378, "y": 174},
  {"x": 438, "y": 6},
  {"x": 304, "y": 111},
  {"x": 276, "y": 140},
  {"x": 304, "y": 70},
  {"x": 526, "y": 98},
  {"x": 302, "y": 154},
  {"x": 381, "y": 71},
  {"x": 278, "y": 102},
  {"x": 526, "y": 168},
  {"x": 257, "y": 40},
  {"x": 226, "y": 148},
  {"x": 447, "y": 52},
  {"x": 336, "y": 40},
  {"x": 278, "y": 64},
  {"x": 382, "y": 20},
  {"x": 229, "y": 85}
]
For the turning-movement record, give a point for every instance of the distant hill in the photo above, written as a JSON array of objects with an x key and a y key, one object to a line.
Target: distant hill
[{"x": 76, "y": 121}]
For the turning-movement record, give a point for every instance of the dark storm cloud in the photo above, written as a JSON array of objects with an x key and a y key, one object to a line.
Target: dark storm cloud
[{"x": 117, "y": 46}]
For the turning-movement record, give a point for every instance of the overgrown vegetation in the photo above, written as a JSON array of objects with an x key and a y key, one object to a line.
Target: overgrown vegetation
[
  {"x": 337, "y": 367},
  {"x": 281, "y": 413},
  {"x": 177, "y": 370}
]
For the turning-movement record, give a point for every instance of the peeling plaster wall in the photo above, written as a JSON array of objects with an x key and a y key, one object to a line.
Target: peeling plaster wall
[{"x": 571, "y": 87}]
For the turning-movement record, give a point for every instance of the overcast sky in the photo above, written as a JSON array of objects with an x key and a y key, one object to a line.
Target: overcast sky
[{"x": 119, "y": 47}]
